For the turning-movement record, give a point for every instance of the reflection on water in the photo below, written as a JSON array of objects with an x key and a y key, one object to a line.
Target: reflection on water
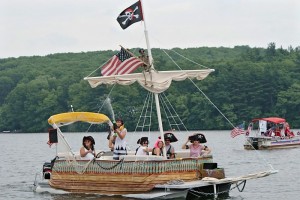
[{"x": 24, "y": 154}]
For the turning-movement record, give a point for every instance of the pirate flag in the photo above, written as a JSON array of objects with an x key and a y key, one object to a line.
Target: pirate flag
[{"x": 130, "y": 15}]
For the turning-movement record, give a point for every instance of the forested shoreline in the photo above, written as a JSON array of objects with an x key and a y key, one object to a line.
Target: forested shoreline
[{"x": 247, "y": 83}]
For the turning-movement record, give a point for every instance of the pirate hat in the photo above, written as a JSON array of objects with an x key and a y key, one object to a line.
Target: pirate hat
[
  {"x": 199, "y": 137},
  {"x": 170, "y": 136}
]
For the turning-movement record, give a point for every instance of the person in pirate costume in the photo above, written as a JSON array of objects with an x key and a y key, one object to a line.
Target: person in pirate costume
[
  {"x": 196, "y": 148},
  {"x": 169, "y": 138},
  {"x": 145, "y": 58},
  {"x": 120, "y": 142}
]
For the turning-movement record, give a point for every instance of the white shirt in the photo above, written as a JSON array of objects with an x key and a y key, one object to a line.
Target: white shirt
[
  {"x": 88, "y": 156},
  {"x": 141, "y": 151}
]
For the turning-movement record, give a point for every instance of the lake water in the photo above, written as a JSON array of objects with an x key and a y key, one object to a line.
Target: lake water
[{"x": 24, "y": 154}]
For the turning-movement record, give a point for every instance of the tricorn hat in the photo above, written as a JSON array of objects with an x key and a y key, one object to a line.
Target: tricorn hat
[
  {"x": 199, "y": 137},
  {"x": 170, "y": 136}
]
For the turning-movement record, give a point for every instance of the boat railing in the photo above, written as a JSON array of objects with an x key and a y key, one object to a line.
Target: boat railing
[{"x": 181, "y": 154}]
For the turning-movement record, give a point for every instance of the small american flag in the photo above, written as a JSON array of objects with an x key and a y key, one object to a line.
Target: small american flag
[
  {"x": 238, "y": 130},
  {"x": 122, "y": 63},
  {"x": 249, "y": 129}
]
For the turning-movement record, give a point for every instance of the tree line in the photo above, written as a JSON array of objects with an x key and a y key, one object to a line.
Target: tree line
[{"x": 247, "y": 83}]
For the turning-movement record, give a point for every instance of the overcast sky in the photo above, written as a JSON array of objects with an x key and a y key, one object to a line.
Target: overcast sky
[{"x": 41, "y": 27}]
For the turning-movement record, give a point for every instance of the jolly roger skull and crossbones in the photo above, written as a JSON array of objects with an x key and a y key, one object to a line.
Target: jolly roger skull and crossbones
[{"x": 130, "y": 15}]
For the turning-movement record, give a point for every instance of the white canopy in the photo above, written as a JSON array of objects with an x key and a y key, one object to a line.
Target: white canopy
[{"x": 154, "y": 81}]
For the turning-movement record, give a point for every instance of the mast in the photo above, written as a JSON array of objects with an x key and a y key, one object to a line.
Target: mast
[{"x": 161, "y": 130}]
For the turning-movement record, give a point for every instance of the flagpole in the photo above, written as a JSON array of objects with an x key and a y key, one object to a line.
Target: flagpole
[
  {"x": 147, "y": 39},
  {"x": 161, "y": 130}
]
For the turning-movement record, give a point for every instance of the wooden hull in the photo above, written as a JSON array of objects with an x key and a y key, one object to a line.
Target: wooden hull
[{"x": 128, "y": 177}]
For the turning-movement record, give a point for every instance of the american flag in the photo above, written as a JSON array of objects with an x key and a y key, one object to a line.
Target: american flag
[
  {"x": 238, "y": 130},
  {"x": 249, "y": 129},
  {"x": 122, "y": 63}
]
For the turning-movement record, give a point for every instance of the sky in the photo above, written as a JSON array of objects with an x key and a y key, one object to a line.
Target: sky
[{"x": 42, "y": 27}]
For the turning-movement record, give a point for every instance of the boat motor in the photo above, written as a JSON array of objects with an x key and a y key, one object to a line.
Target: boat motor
[{"x": 47, "y": 169}]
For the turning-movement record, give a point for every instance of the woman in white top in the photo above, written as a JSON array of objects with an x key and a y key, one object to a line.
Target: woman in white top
[
  {"x": 120, "y": 142},
  {"x": 87, "y": 151},
  {"x": 143, "y": 149}
]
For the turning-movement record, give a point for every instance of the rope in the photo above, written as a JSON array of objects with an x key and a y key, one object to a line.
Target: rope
[
  {"x": 201, "y": 91},
  {"x": 99, "y": 67},
  {"x": 146, "y": 114},
  {"x": 176, "y": 114},
  {"x": 80, "y": 171},
  {"x": 237, "y": 185},
  {"x": 199, "y": 194},
  {"x": 189, "y": 59},
  {"x": 259, "y": 155},
  {"x": 112, "y": 167}
]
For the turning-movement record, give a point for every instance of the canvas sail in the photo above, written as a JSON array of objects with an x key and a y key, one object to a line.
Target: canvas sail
[{"x": 154, "y": 81}]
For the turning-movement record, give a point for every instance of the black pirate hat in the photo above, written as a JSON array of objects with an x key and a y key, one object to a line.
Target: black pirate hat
[
  {"x": 199, "y": 137},
  {"x": 170, "y": 136}
]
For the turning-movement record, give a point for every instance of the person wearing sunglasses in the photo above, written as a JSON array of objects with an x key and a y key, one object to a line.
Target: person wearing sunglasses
[{"x": 143, "y": 149}]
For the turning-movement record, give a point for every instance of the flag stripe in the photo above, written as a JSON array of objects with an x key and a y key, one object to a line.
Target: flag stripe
[
  {"x": 110, "y": 67},
  {"x": 238, "y": 130},
  {"x": 115, "y": 66},
  {"x": 129, "y": 66}
]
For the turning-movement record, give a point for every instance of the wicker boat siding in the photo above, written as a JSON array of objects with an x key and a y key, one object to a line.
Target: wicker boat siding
[{"x": 124, "y": 177}]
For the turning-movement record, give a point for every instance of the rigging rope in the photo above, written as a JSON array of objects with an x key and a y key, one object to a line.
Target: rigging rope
[
  {"x": 189, "y": 59},
  {"x": 259, "y": 155},
  {"x": 145, "y": 113},
  {"x": 201, "y": 91},
  {"x": 99, "y": 67},
  {"x": 171, "y": 113},
  {"x": 176, "y": 114}
]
